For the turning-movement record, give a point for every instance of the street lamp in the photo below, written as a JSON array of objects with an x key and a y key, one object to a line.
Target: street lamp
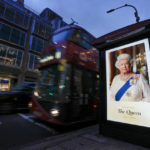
[{"x": 126, "y": 5}]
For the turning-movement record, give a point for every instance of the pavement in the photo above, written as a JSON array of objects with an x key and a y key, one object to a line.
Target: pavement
[{"x": 83, "y": 139}]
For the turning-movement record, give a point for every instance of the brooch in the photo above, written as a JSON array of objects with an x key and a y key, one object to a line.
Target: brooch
[{"x": 132, "y": 81}]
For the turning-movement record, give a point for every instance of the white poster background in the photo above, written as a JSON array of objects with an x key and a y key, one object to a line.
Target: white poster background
[{"x": 136, "y": 113}]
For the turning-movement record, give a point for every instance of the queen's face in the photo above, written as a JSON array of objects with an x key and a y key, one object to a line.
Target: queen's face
[{"x": 124, "y": 66}]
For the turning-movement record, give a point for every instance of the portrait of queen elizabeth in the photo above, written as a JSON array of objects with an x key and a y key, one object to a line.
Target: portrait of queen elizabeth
[{"x": 128, "y": 86}]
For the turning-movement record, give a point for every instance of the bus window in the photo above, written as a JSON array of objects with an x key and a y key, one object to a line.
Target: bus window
[
  {"x": 77, "y": 88},
  {"x": 64, "y": 85},
  {"x": 54, "y": 84},
  {"x": 47, "y": 88},
  {"x": 74, "y": 35},
  {"x": 65, "y": 35},
  {"x": 81, "y": 38}
]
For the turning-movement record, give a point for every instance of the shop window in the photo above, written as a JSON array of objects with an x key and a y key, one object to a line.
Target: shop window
[
  {"x": 3, "y": 51},
  {"x": 11, "y": 57},
  {"x": 4, "y": 84}
]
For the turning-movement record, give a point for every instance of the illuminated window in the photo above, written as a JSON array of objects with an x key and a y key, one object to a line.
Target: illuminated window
[
  {"x": 4, "y": 84},
  {"x": 10, "y": 56}
]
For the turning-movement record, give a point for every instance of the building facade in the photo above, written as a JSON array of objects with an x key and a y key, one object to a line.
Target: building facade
[{"x": 23, "y": 34}]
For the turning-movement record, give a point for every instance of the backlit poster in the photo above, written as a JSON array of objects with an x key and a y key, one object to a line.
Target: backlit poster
[{"x": 128, "y": 78}]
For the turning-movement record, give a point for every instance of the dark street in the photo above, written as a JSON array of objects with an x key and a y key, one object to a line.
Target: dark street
[{"x": 19, "y": 129}]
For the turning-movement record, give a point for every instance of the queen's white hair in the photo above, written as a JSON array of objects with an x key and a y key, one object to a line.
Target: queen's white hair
[{"x": 122, "y": 56}]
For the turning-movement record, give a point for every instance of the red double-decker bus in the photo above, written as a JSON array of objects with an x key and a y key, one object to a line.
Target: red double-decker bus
[{"x": 66, "y": 90}]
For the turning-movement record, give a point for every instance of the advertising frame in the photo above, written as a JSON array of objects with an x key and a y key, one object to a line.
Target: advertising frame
[{"x": 128, "y": 131}]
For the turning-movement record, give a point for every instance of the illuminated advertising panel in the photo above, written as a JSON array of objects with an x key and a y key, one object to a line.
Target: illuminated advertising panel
[{"x": 128, "y": 79}]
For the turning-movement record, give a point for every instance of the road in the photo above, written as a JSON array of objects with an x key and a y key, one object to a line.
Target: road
[{"x": 19, "y": 130}]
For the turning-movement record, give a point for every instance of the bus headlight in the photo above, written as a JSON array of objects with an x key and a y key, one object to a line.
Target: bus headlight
[
  {"x": 30, "y": 104},
  {"x": 36, "y": 94},
  {"x": 54, "y": 112}
]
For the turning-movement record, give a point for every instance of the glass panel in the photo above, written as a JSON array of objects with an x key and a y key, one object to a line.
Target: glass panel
[
  {"x": 9, "y": 14},
  {"x": 26, "y": 21},
  {"x": 3, "y": 50},
  {"x": 11, "y": 55},
  {"x": 51, "y": 55},
  {"x": 81, "y": 38},
  {"x": 49, "y": 84},
  {"x": 47, "y": 32},
  {"x": 41, "y": 29},
  {"x": 77, "y": 89},
  {"x": 19, "y": 58},
  {"x": 62, "y": 36},
  {"x": 33, "y": 46},
  {"x": 35, "y": 62},
  {"x": 78, "y": 36},
  {"x": 39, "y": 45},
  {"x": 5, "y": 32},
  {"x": 15, "y": 36},
  {"x": 87, "y": 86},
  {"x": 22, "y": 39},
  {"x": 64, "y": 87},
  {"x": 86, "y": 37},
  {"x": 2, "y": 8},
  {"x": 31, "y": 61},
  {"x": 36, "y": 28},
  {"x": 19, "y": 18}
]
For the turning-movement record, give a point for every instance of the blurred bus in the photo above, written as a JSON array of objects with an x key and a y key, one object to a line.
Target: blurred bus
[{"x": 66, "y": 90}]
